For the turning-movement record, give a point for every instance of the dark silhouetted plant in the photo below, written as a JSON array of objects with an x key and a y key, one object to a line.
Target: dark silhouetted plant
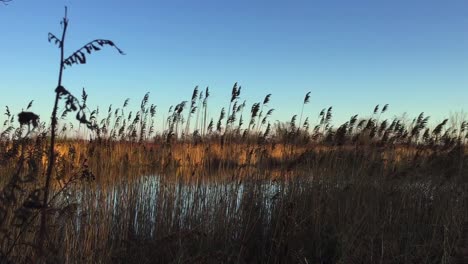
[
  {"x": 71, "y": 105},
  {"x": 306, "y": 101}
]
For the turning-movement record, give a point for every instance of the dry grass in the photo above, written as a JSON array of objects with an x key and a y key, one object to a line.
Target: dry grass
[
  {"x": 287, "y": 204},
  {"x": 369, "y": 191},
  {"x": 238, "y": 189}
]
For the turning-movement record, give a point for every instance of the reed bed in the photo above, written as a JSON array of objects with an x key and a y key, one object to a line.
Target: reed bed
[
  {"x": 369, "y": 191},
  {"x": 115, "y": 186},
  {"x": 206, "y": 202}
]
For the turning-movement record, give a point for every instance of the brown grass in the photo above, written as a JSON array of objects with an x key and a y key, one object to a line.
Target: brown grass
[{"x": 209, "y": 203}]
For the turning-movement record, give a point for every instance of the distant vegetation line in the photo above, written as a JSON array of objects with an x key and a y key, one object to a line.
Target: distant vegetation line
[{"x": 189, "y": 121}]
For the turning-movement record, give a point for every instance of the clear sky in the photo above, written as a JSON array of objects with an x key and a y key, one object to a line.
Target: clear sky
[{"x": 352, "y": 55}]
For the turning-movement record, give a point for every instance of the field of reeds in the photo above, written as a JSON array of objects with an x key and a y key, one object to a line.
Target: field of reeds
[
  {"x": 119, "y": 187},
  {"x": 125, "y": 191}
]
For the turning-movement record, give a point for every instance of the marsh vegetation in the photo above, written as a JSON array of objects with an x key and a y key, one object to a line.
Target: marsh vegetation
[
  {"x": 117, "y": 187},
  {"x": 364, "y": 192}
]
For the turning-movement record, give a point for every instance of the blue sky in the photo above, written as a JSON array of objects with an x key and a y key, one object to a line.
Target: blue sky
[{"x": 351, "y": 55}]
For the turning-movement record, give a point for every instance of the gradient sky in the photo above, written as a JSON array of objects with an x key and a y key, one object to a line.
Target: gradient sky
[{"x": 351, "y": 55}]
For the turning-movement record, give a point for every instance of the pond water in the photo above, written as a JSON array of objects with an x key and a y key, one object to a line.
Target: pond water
[{"x": 145, "y": 204}]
